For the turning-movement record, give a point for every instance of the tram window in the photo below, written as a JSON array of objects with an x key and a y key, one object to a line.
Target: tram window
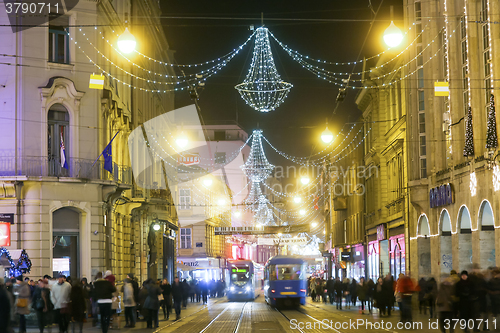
[
  {"x": 272, "y": 273},
  {"x": 240, "y": 275},
  {"x": 290, "y": 272}
]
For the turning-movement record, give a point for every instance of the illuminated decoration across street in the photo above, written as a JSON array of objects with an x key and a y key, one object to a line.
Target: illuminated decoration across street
[
  {"x": 257, "y": 167},
  {"x": 473, "y": 184},
  {"x": 441, "y": 89},
  {"x": 263, "y": 89},
  {"x": 491, "y": 131},
  {"x": 469, "y": 135}
]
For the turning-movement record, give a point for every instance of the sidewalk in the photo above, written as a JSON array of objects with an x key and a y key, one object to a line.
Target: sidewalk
[{"x": 140, "y": 326}]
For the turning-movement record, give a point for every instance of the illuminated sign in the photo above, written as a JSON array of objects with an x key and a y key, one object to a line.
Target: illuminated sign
[
  {"x": 4, "y": 234},
  {"x": 9, "y": 218},
  {"x": 188, "y": 159},
  {"x": 381, "y": 232},
  {"x": 239, "y": 270},
  {"x": 441, "y": 196}
]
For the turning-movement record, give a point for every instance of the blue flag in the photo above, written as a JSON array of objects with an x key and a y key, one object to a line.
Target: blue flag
[{"x": 108, "y": 156}]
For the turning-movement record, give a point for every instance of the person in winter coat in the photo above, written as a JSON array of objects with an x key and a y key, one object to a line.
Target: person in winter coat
[
  {"x": 204, "y": 291},
  {"x": 362, "y": 291},
  {"x": 465, "y": 292},
  {"x": 87, "y": 289},
  {"x": 60, "y": 298},
  {"x": 431, "y": 291},
  {"x": 143, "y": 294},
  {"x": 319, "y": 289},
  {"x": 388, "y": 291},
  {"x": 186, "y": 290},
  {"x": 177, "y": 293},
  {"x": 353, "y": 289},
  {"x": 22, "y": 303},
  {"x": 152, "y": 304},
  {"x": 379, "y": 297},
  {"x": 339, "y": 292},
  {"x": 78, "y": 305},
  {"x": 369, "y": 294},
  {"x": 312, "y": 286},
  {"x": 166, "y": 290},
  {"x": 330, "y": 287},
  {"x": 347, "y": 292},
  {"x": 129, "y": 303},
  {"x": 444, "y": 302},
  {"x": 422, "y": 286},
  {"x": 5, "y": 306},
  {"x": 103, "y": 294},
  {"x": 41, "y": 304}
]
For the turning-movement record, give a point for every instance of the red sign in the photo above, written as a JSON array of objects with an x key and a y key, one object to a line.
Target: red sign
[
  {"x": 188, "y": 159},
  {"x": 4, "y": 234}
]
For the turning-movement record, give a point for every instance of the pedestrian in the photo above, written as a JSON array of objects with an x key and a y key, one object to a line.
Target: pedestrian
[
  {"x": 134, "y": 283},
  {"x": 129, "y": 303},
  {"x": 369, "y": 294},
  {"x": 103, "y": 294},
  {"x": 347, "y": 292},
  {"x": 177, "y": 294},
  {"x": 5, "y": 306},
  {"x": 431, "y": 290},
  {"x": 204, "y": 291},
  {"x": 152, "y": 303},
  {"x": 319, "y": 289},
  {"x": 380, "y": 297},
  {"x": 22, "y": 303},
  {"x": 312, "y": 287},
  {"x": 41, "y": 304},
  {"x": 353, "y": 288},
  {"x": 444, "y": 303},
  {"x": 198, "y": 291},
  {"x": 78, "y": 306},
  {"x": 186, "y": 290},
  {"x": 115, "y": 301},
  {"x": 464, "y": 290},
  {"x": 422, "y": 302},
  {"x": 192, "y": 290},
  {"x": 362, "y": 290},
  {"x": 87, "y": 289},
  {"x": 60, "y": 298},
  {"x": 166, "y": 305},
  {"x": 339, "y": 291},
  {"x": 330, "y": 287},
  {"x": 143, "y": 294}
]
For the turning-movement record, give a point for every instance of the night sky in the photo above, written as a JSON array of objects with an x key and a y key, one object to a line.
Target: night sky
[{"x": 296, "y": 125}]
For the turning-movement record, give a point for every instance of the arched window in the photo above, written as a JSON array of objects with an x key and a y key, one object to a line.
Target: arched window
[
  {"x": 57, "y": 138},
  {"x": 423, "y": 226}
]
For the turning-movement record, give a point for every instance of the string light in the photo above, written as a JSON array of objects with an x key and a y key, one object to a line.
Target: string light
[
  {"x": 263, "y": 89},
  {"x": 257, "y": 167}
]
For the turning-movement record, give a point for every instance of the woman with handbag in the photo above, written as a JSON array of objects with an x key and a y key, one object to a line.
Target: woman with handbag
[
  {"x": 42, "y": 304},
  {"x": 22, "y": 303}
]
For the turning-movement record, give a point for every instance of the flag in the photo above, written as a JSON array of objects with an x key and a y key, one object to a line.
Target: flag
[
  {"x": 108, "y": 156},
  {"x": 96, "y": 81},
  {"x": 64, "y": 163},
  {"x": 441, "y": 89}
]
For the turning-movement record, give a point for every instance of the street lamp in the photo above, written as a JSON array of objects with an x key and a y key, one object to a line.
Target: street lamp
[
  {"x": 207, "y": 182},
  {"x": 156, "y": 227},
  {"x": 126, "y": 42},
  {"x": 297, "y": 199},
  {"x": 393, "y": 35},
  {"x": 221, "y": 202},
  {"x": 326, "y": 136},
  {"x": 181, "y": 140},
  {"x": 305, "y": 180},
  {"x": 314, "y": 224},
  {"x": 302, "y": 212},
  {"x": 237, "y": 213}
]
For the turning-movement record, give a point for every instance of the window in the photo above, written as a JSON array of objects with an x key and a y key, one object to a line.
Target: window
[
  {"x": 184, "y": 198},
  {"x": 220, "y": 158},
  {"x": 418, "y": 11},
  {"x": 185, "y": 238},
  {"x": 220, "y": 135},
  {"x": 58, "y": 44},
  {"x": 486, "y": 50},
  {"x": 57, "y": 130},
  {"x": 287, "y": 272}
]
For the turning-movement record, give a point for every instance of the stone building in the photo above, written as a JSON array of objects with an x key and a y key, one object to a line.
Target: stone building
[{"x": 79, "y": 218}]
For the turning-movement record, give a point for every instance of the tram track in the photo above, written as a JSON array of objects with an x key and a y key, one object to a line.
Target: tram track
[
  {"x": 320, "y": 323},
  {"x": 213, "y": 321}
]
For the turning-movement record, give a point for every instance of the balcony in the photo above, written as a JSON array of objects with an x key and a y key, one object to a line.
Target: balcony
[{"x": 78, "y": 168}]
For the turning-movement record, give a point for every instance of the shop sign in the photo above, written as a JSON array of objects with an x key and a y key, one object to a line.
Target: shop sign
[
  {"x": 7, "y": 218},
  {"x": 441, "y": 195},
  {"x": 201, "y": 263},
  {"x": 4, "y": 234},
  {"x": 346, "y": 256},
  {"x": 188, "y": 159},
  {"x": 199, "y": 244},
  {"x": 381, "y": 232}
]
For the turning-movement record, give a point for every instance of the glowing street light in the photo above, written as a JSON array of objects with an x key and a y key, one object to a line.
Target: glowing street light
[
  {"x": 280, "y": 234},
  {"x": 393, "y": 35},
  {"x": 314, "y": 224},
  {"x": 258, "y": 225},
  {"x": 207, "y": 182},
  {"x": 237, "y": 213},
  {"x": 156, "y": 227},
  {"x": 302, "y": 212},
  {"x": 326, "y": 136},
  {"x": 126, "y": 42},
  {"x": 297, "y": 199},
  {"x": 181, "y": 140},
  {"x": 305, "y": 180}
]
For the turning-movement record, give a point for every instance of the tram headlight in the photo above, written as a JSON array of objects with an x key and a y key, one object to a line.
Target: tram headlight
[
  {"x": 231, "y": 289},
  {"x": 248, "y": 288}
]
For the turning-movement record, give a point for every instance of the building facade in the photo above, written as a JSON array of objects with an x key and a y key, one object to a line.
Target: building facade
[{"x": 70, "y": 213}]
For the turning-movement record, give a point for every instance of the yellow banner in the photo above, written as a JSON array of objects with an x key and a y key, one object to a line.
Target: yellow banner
[
  {"x": 441, "y": 89},
  {"x": 96, "y": 81}
]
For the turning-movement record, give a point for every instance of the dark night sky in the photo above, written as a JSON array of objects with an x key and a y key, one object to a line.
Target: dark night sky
[{"x": 295, "y": 126}]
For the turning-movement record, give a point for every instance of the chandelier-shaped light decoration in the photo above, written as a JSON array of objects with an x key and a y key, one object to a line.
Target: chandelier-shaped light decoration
[
  {"x": 257, "y": 168},
  {"x": 263, "y": 89},
  {"x": 263, "y": 214},
  {"x": 253, "y": 194}
]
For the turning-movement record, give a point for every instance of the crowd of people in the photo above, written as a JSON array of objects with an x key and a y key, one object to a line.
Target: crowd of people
[
  {"x": 66, "y": 302},
  {"x": 468, "y": 299}
]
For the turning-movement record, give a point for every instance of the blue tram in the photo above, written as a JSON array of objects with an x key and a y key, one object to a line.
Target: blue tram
[
  {"x": 244, "y": 279},
  {"x": 285, "y": 281}
]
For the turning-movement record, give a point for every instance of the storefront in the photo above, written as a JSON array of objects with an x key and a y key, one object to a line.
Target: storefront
[
  {"x": 204, "y": 268},
  {"x": 397, "y": 252},
  {"x": 374, "y": 260},
  {"x": 358, "y": 265}
]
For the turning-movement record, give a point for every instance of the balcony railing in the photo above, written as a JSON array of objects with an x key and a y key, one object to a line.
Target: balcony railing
[{"x": 78, "y": 168}]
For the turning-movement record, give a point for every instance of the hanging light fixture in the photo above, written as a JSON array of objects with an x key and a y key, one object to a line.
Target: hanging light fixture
[
  {"x": 126, "y": 42},
  {"x": 263, "y": 89},
  {"x": 393, "y": 35}
]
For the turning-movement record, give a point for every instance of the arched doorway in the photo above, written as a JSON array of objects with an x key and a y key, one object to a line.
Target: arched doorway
[
  {"x": 65, "y": 242},
  {"x": 486, "y": 226},
  {"x": 446, "y": 256},
  {"x": 464, "y": 239},
  {"x": 424, "y": 246}
]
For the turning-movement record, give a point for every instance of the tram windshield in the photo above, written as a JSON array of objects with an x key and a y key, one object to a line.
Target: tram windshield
[
  {"x": 240, "y": 275},
  {"x": 287, "y": 272}
]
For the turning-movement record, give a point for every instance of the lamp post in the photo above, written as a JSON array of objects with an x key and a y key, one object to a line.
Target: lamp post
[
  {"x": 393, "y": 35},
  {"x": 126, "y": 42}
]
